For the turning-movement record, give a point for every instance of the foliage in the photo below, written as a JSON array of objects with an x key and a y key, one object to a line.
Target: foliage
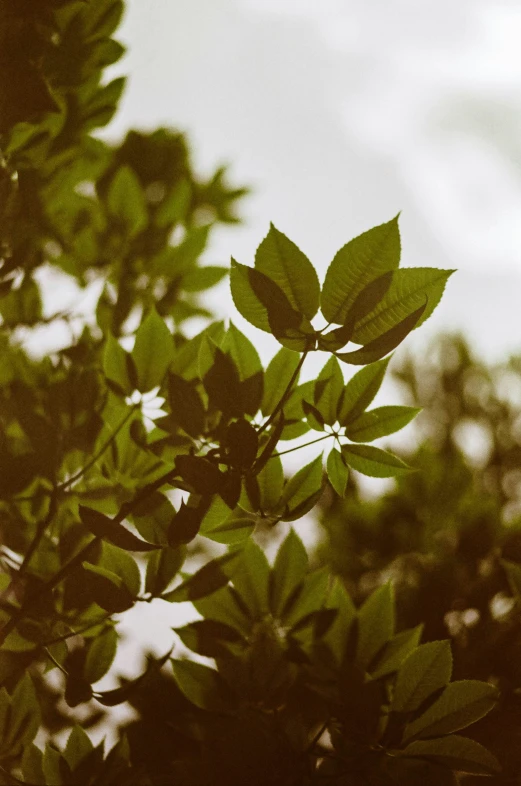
[
  {"x": 105, "y": 500},
  {"x": 449, "y": 535}
]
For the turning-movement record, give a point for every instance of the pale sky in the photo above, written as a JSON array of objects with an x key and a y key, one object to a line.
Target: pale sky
[{"x": 341, "y": 113}]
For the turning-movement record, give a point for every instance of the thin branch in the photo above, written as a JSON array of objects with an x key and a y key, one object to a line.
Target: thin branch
[{"x": 53, "y": 659}]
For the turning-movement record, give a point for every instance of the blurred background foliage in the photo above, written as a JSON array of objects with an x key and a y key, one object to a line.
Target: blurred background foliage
[{"x": 442, "y": 533}]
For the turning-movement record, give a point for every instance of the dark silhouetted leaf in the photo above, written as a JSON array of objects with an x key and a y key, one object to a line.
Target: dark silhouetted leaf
[
  {"x": 106, "y": 528},
  {"x": 186, "y": 405}
]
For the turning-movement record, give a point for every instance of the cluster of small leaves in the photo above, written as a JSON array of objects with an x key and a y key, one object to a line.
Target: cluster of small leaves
[{"x": 113, "y": 461}]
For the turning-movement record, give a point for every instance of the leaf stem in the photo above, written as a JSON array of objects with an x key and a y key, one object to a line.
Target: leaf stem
[
  {"x": 286, "y": 393},
  {"x": 298, "y": 447}
]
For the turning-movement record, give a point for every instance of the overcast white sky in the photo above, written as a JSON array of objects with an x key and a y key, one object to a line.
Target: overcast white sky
[{"x": 340, "y": 113}]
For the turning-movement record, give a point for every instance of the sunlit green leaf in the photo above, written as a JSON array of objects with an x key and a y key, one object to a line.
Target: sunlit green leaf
[
  {"x": 408, "y": 291},
  {"x": 280, "y": 259},
  {"x": 356, "y": 264},
  {"x": 379, "y": 422},
  {"x": 375, "y": 462},
  {"x": 337, "y": 472},
  {"x": 153, "y": 351}
]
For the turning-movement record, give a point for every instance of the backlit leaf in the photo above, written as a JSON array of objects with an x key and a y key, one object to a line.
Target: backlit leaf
[
  {"x": 280, "y": 259},
  {"x": 356, "y": 264},
  {"x": 379, "y": 422},
  {"x": 374, "y": 462},
  {"x": 153, "y": 351}
]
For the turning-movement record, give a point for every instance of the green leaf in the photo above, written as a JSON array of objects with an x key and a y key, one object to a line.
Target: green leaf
[
  {"x": 314, "y": 418},
  {"x": 5, "y": 711},
  {"x": 289, "y": 571},
  {"x": 302, "y": 488},
  {"x": 374, "y": 462},
  {"x": 242, "y": 352},
  {"x": 24, "y": 719},
  {"x": 361, "y": 390},
  {"x": 280, "y": 259},
  {"x": 461, "y": 703},
  {"x": 209, "y": 638},
  {"x": 375, "y": 624},
  {"x": 162, "y": 567},
  {"x": 222, "y": 606},
  {"x": 271, "y": 483},
  {"x": 251, "y": 580},
  {"x": 337, "y": 472},
  {"x": 329, "y": 387},
  {"x": 211, "y": 577},
  {"x": 222, "y": 381},
  {"x": 407, "y": 293},
  {"x": 126, "y": 200},
  {"x": 123, "y": 564},
  {"x": 100, "y": 655},
  {"x": 357, "y": 264},
  {"x": 185, "y": 403},
  {"x": 396, "y": 651},
  {"x": 381, "y": 346},
  {"x": 202, "y": 686},
  {"x": 108, "y": 529},
  {"x": 247, "y": 362},
  {"x": 278, "y": 375},
  {"x": 115, "y": 365},
  {"x": 51, "y": 766},
  {"x": 153, "y": 351},
  {"x": 200, "y": 278},
  {"x": 425, "y": 671},
  {"x": 456, "y": 753},
  {"x": 78, "y": 747},
  {"x": 186, "y": 523},
  {"x": 32, "y": 765},
  {"x": 246, "y": 301},
  {"x": 224, "y": 526},
  {"x": 265, "y": 305},
  {"x": 379, "y": 422}
]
